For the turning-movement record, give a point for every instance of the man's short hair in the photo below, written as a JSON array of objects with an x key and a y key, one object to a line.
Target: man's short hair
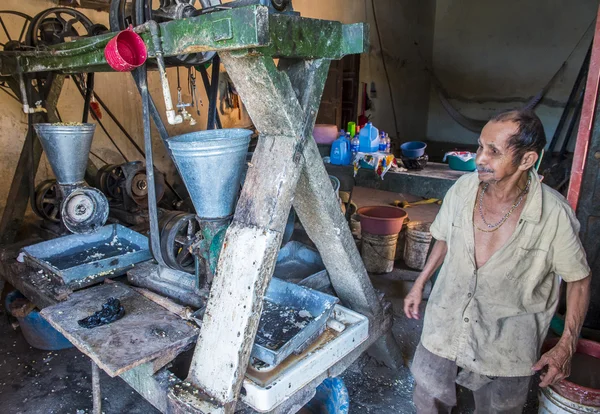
[{"x": 530, "y": 135}]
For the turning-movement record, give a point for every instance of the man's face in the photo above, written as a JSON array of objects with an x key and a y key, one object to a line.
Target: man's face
[{"x": 494, "y": 157}]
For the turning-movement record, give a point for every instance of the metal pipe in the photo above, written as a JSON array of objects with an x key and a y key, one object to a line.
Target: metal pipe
[
  {"x": 587, "y": 119},
  {"x": 151, "y": 26},
  {"x": 152, "y": 208},
  {"x": 96, "y": 392},
  {"x": 24, "y": 99}
]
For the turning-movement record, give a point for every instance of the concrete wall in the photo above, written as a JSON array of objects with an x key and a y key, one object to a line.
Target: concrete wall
[
  {"x": 406, "y": 29},
  {"x": 495, "y": 55}
]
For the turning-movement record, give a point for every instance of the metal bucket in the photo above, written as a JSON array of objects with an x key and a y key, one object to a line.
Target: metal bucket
[
  {"x": 67, "y": 148},
  {"x": 210, "y": 164},
  {"x": 551, "y": 402}
]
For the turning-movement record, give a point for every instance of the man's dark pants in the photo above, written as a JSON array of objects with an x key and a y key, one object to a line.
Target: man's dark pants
[{"x": 435, "y": 388}]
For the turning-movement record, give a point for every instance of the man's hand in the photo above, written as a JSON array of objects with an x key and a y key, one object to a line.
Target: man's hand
[
  {"x": 413, "y": 300},
  {"x": 558, "y": 360}
]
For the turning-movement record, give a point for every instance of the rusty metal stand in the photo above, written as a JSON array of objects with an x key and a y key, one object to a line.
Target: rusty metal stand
[
  {"x": 96, "y": 392},
  {"x": 286, "y": 169}
]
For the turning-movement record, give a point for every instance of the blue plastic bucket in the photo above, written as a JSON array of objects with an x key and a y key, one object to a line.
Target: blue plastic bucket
[
  {"x": 37, "y": 331},
  {"x": 331, "y": 398}
]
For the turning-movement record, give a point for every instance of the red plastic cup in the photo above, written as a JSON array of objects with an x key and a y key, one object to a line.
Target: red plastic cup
[{"x": 126, "y": 51}]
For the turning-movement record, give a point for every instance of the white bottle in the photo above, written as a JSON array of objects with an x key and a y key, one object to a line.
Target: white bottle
[{"x": 388, "y": 144}]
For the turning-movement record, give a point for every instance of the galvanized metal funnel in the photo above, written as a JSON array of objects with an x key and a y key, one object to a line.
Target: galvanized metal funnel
[
  {"x": 210, "y": 164},
  {"x": 67, "y": 148}
]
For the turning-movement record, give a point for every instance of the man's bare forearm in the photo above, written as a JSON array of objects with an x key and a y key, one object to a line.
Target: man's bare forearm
[
  {"x": 578, "y": 299},
  {"x": 434, "y": 261}
]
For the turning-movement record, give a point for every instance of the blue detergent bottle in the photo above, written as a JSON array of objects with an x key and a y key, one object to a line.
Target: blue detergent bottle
[
  {"x": 369, "y": 138},
  {"x": 340, "y": 151}
]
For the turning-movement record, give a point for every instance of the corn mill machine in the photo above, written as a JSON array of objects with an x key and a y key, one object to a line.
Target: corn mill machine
[{"x": 204, "y": 328}]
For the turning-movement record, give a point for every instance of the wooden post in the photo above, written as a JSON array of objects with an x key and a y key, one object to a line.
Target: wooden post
[{"x": 252, "y": 242}]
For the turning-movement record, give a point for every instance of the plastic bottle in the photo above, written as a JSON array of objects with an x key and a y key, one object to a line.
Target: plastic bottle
[
  {"x": 352, "y": 129},
  {"x": 382, "y": 143},
  {"x": 388, "y": 144},
  {"x": 369, "y": 138},
  {"x": 354, "y": 145},
  {"x": 340, "y": 151},
  {"x": 349, "y": 156}
]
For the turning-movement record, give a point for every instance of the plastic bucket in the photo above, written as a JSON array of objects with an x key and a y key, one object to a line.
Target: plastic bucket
[
  {"x": 416, "y": 248},
  {"x": 573, "y": 393},
  {"x": 331, "y": 397},
  {"x": 382, "y": 220},
  {"x": 378, "y": 252},
  {"x": 126, "y": 51},
  {"x": 37, "y": 331},
  {"x": 551, "y": 402}
]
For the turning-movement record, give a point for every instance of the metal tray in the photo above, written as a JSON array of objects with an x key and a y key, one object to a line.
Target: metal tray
[
  {"x": 79, "y": 260},
  {"x": 293, "y": 316}
]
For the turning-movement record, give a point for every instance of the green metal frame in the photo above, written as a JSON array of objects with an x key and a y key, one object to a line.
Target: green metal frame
[{"x": 249, "y": 30}]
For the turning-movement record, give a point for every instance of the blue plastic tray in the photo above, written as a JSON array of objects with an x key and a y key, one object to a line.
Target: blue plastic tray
[{"x": 80, "y": 260}]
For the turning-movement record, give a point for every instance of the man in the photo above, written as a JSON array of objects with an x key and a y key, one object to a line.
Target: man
[{"x": 503, "y": 240}]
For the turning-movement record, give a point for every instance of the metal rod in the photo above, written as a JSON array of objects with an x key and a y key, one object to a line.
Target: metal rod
[
  {"x": 89, "y": 83},
  {"x": 214, "y": 90},
  {"x": 587, "y": 118},
  {"x": 152, "y": 208},
  {"x": 152, "y": 27},
  {"x": 206, "y": 82},
  {"x": 96, "y": 392}
]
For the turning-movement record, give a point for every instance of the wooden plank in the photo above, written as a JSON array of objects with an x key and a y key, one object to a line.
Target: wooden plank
[{"x": 146, "y": 331}]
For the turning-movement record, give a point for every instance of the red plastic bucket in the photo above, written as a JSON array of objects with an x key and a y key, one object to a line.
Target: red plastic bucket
[
  {"x": 381, "y": 220},
  {"x": 570, "y": 390},
  {"x": 126, "y": 51}
]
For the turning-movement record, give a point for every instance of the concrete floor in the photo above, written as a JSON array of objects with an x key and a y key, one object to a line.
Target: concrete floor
[{"x": 42, "y": 382}]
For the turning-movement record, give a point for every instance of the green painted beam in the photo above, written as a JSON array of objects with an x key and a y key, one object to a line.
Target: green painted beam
[
  {"x": 247, "y": 30},
  {"x": 299, "y": 37}
]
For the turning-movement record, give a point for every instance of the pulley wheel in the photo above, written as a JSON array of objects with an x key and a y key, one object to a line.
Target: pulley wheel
[
  {"x": 136, "y": 186},
  {"x": 177, "y": 234},
  {"x": 47, "y": 201},
  {"x": 109, "y": 179}
]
